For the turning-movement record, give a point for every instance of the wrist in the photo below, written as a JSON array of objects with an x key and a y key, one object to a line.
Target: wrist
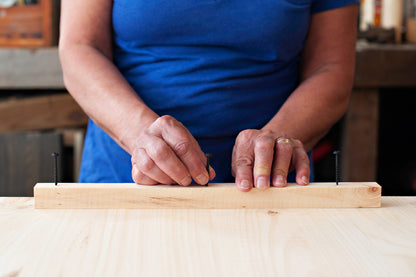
[{"x": 136, "y": 125}]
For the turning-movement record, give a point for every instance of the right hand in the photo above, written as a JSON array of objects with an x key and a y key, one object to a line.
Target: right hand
[{"x": 167, "y": 153}]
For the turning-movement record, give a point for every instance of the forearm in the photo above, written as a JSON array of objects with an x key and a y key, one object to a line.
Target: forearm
[
  {"x": 318, "y": 103},
  {"x": 104, "y": 94},
  {"x": 326, "y": 73}
]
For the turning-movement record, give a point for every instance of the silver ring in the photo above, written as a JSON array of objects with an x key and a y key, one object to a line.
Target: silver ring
[{"x": 283, "y": 140}]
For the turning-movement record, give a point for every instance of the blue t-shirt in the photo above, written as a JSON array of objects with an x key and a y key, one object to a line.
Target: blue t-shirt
[{"x": 218, "y": 66}]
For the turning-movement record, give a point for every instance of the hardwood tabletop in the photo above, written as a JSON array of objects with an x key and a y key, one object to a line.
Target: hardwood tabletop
[{"x": 194, "y": 242}]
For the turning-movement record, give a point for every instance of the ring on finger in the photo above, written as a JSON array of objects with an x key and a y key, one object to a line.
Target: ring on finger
[{"x": 284, "y": 140}]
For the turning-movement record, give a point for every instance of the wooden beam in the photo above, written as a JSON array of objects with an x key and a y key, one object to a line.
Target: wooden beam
[
  {"x": 41, "y": 113},
  {"x": 360, "y": 137},
  {"x": 385, "y": 65},
  {"x": 30, "y": 68},
  {"x": 215, "y": 196},
  {"x": 378, "y": 65}
]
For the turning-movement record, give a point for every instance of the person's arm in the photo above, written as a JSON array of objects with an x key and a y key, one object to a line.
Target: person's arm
[
  {"x": 321, "y": 99},
  {"x": 90, "y": 75},
  {"x": 163, "y": 150}
]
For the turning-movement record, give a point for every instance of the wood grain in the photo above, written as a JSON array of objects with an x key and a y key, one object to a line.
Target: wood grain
[
  {"x": 40, "y": 113},
  {"x": 194, "y": 242},
  {"x": 215, "y": 196}
]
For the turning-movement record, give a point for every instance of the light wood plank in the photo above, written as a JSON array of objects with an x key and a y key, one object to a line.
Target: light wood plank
[
  {"x": 194, "y": 242},
  {"x": 215, "y": 196}
]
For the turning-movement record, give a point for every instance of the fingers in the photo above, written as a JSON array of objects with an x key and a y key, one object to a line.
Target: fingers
[
  {"x": 244, "y": 173},
  {"x": 257, "y": 155},
  {"x": 263, "y": 153},
  {"x": 170, "y": 154},
  {"x": 301, "y": 164},
  {"x": 165, "y": 159},
  {"x": 243, "y": 161},
  {"x": 184, "y": 146},
  {"x": 148, "y": 168},
  {"x": 282, "y": 159},
  {"x": 140, "y": 178}
]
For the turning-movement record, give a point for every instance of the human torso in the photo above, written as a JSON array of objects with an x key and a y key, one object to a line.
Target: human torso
[{"x": 206, "y": 61}]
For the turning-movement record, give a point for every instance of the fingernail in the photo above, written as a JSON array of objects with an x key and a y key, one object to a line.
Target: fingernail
[
  {"x": 279, "y": 181},
  {"x": 305, "y": 180},
  {"x": 261, "y": 183},
  {"x": 202, "y": 179},
  {"x": 244, "y": 184},
  {"x": 186, "y": 181}
]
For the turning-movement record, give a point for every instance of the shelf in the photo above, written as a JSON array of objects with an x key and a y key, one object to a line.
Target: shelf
[{"x": 37, "y": 68}]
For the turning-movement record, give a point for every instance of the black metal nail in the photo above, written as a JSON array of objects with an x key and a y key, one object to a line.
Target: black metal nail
[
  {"x": 55, "y": 167},
  {"x": 337, "y": 175},
  {"x": 208, "y": 155}
]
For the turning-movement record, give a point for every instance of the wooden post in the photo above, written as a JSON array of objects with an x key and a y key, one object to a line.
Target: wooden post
[
  {"x": 215, "y": 196},
  {"x": 360, "y": 137}
]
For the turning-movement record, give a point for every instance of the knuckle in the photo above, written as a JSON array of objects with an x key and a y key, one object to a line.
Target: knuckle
[
  {"x": 144, "y": 136},
  {"x": 146, "y": 164},
  {"x": 244, "y": 161},
  {"x": 136, "y": 175},
  {"x": 285, "y": 148},
  {"x": 182, "y": 148},
  {"x": 246, "y": 135},
  {"x": 264, "y": 143},
  {"x": 297, "y": 143},
  {"x": 159, "y": 151},
  {"x": 136, "y": 154},
  {"x": 268, "y": 133},
  {"x": 166, "y": 120}
]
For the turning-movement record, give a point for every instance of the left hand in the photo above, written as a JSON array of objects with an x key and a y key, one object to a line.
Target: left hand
[{"x": 259, "y": 154}]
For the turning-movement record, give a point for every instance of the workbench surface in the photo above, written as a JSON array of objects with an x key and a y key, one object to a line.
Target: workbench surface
[{"x": 284, "y": 242}]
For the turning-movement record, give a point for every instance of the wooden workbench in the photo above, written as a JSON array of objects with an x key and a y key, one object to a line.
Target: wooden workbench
[{"x": 163, "y": 242}]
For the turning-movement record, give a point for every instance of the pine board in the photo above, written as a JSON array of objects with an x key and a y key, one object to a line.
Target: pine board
[
  {"x": 194, "y": 242},
  {"x": 215, "y": 196}
]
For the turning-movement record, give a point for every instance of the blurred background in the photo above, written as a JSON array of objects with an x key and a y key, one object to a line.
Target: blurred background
[{"x": 376, "y": 136}]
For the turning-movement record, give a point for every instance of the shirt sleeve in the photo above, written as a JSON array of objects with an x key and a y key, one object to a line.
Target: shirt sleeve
[{"x": 325, "y": 5}]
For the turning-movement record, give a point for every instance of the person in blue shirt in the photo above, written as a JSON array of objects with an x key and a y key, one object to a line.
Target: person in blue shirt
[{"x": 256, "y": 83}]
